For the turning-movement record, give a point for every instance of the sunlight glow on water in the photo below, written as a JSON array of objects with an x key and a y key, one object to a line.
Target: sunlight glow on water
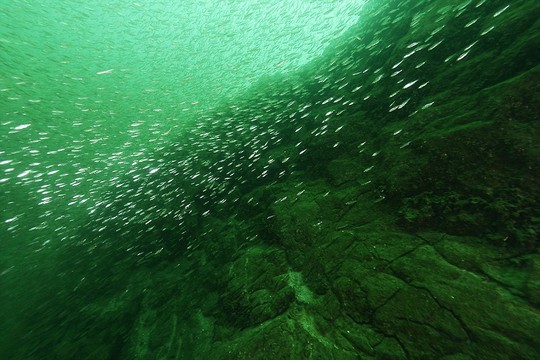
[{"x": 121, "y": 78}]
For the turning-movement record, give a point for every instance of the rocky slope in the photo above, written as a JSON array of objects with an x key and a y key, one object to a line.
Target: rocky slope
[{"x": 378, "y": 205}]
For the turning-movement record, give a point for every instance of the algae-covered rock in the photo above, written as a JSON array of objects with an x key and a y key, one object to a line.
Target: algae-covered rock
[
  {"x": 483, "y": 309},
  {"x": 286, "y": 337},
  {"x": 532, "y": 285},
  {"x": 447, "y": 193},
  {"x": 342, "y": 171},
  {"x": 267, "y": 293}
]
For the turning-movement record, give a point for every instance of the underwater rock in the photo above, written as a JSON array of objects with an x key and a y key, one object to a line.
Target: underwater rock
[{"x": 380, "y": 203}]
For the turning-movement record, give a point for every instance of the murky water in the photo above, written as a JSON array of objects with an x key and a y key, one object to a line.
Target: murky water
[{"x": 152, "y": 151}]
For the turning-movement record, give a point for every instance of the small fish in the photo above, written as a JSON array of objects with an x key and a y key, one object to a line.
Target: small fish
[{"x": 105, "y": 72}]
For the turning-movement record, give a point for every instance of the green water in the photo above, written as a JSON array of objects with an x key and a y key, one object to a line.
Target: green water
[{"x": 253, "y": 179}]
